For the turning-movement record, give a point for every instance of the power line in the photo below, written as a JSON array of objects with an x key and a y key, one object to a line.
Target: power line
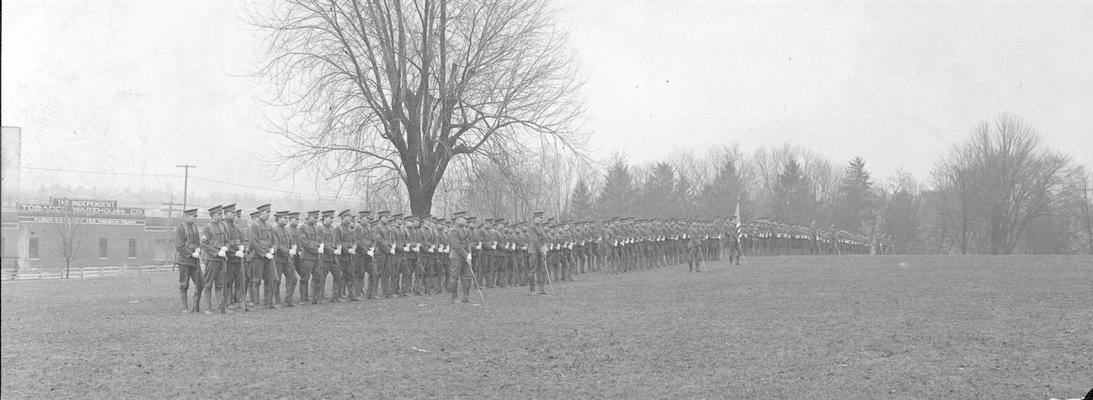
[{"x": 288, "y": 192}]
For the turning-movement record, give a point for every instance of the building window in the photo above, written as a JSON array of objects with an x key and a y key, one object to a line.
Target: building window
[
  {"x": 132, "y": 248},
  {"x": 103, "y": 249},
  {"x": 34, "y": 248}
]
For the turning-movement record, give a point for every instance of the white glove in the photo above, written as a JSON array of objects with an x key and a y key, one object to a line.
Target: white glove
[
  {"x": 322, "y": 247},
  {"x": 239, "y": 254},
  {"x": 392, "y": 251},
  {"x": 223, "y": 252},
  {"x": 371, "y": 251},
  {"x": 269, "y": 256},
  {"x": 406, "y": 248},
  {"x": 468, "y": 258},
  {"x": 338, "y": 251},
  {"x": 478, "y": 246},
  {"x": 352, "y": 250},
  {"x": 197, "y": 253},
  {"x": 240, "y": 248},
  {"x": 292, "y": 251}
]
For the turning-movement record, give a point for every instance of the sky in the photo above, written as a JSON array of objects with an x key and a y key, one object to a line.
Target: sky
[{"x": 132, "y": 86}]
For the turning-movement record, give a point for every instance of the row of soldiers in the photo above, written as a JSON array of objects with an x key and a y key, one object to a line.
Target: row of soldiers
[
  {"x": 765, "y": 237},
  {"x": 389, "y": 255}
]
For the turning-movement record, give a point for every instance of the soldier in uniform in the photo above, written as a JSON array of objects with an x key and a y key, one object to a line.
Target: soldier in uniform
[
  {"x": 344, "y": 251},
  {"x": 188, "y": 250},
  {"x": 285, "y": 254},
  {"x": 366, "y": 249},
  {"x": 214, "y": 250},
  {"x": 307, "y": 236},
  {"x": 459, "y": 244},
  {"x": 538, "y": 242},
  {"x": 263, "y": 248},
  {"x": 237, "y": 276},
  {"x": 385, "y": 250},
  {"x": 327, "y": 264}
]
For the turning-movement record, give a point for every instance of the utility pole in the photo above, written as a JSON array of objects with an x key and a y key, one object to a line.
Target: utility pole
[{"x": 185, "y": 183}]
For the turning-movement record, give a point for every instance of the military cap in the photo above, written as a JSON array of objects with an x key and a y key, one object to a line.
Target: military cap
[
  {"x": 471, "y": 218},
  {"x": 192, "y": 211},
  {"x": 384, "y": 212},
  {"x": 294, "y": 214},
  {"x": 255, "y": 214},
  {"x": 229, "y": 208},
  {"x": 328, "y": 213},
  {"x": 364, "y": 213},
  {"x": 283, "y": 213},
  {"x": 264, "y": 207},
  {"x": 537, "y": 214},
  {"x": 396, "y": 216},
  {"x": 345, "y": 213},
  {"x": 216, "y": 210},
  {"x": 459, "y": 214},
  {"x": 313, "y": 213},
  {"x": 439, "y": 220}
]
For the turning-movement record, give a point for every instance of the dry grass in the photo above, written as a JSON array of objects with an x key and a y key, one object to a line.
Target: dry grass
[{"x": 792, "y": 327}]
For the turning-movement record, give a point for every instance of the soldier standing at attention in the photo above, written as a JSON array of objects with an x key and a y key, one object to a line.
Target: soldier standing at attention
[
  {"x": 237, "y": 278},
  {"x": 459, "y": 243},
  {"x": 537, "y": 247},
  {"x": 307, "y": 236},
  {"x": 285, "y": 254},
  {"x": 214, "y": 250},
  {"x": 344, "y": 252},
  {"x": 365, "y": 250},
  {"x": 188, "y": 249},
  {"x": 293, "y": 231},
  {"x": 327, "y": 262},
  {"x": 385, "y": 249},
  {"x": 263, "y": 250}
]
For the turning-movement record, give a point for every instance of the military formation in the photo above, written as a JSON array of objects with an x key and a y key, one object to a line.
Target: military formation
[{"x": 329, "y": 257}]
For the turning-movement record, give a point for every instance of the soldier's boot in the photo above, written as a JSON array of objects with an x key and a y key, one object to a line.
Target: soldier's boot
[
  {"x": 316, "y": 291},
  {"x": 185, "y": 302},
  {"x": 290, "y": 290},
  {"x": 208, "y": 301},
  {"x": 197, "y": 302},
  {"x": 466, "y": 293},
  {"x": 303, "y": 291},
  {"x": 454, "y": 285},
  {"x": 337, "y": 288}
]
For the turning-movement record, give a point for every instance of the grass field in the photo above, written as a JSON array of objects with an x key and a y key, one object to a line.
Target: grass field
[{"x": 781, "y": 327}]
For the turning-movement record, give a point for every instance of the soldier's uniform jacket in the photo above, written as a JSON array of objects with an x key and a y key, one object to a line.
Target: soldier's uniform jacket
[
  {"x": 186, "y": 241},
  {"x": 343, "y": 237},
  {"x": 237, "y": 239},
  {"x": 326, "y": 237},
  {"x": 383, "y": 238},
  {"x": 283, "y": 240},
  {"x": 364, "y": 238},
  {"x": 261, "y": 238},
  {"x": 459, "y": 242},
  {"x": 308, "y": 238},
  {"x": 213, "y": 237}
]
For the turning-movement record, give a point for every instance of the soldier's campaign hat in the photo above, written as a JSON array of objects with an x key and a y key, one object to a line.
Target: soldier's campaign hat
[
  {"x": 328, "y": 213},
  {"x": 264, "y": 207},
  {"x": 313, "y": 213},
  {"x": 216, "y": 210},
  {"x": 192, "y": 211},
  {"x": 345, "y": 213},
  {"x": 229, "y": 208}
]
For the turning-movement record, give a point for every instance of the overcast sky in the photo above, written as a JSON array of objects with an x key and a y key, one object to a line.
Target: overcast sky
[{"x": 140, "y": 86}]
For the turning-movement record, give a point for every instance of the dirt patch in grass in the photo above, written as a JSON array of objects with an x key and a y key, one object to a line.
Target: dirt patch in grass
[{"x": 780, "y": 327}]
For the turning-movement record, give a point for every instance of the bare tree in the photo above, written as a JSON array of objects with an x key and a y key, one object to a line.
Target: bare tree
[
  {"x": 1004, "y": 180},
  {"x": 72, "y": 241},
  {"x": 397, "y": 90}
]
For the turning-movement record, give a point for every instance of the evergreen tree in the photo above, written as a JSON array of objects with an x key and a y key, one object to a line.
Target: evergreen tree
[
  {"x": 616, "y": 199},
  {"x": 795, "y": 201},
  {"x": 656, "y": 195},
  {"x": 719, "y": 196},
  {"x": 856, "y": 199},
  {"x": 580, "y": 203}
]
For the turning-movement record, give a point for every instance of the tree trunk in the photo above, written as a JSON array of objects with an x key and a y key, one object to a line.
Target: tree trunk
[{"x": 421, "y": 199}]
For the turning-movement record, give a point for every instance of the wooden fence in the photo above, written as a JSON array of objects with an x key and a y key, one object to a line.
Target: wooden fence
[{"x": 80, "y": 272}]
